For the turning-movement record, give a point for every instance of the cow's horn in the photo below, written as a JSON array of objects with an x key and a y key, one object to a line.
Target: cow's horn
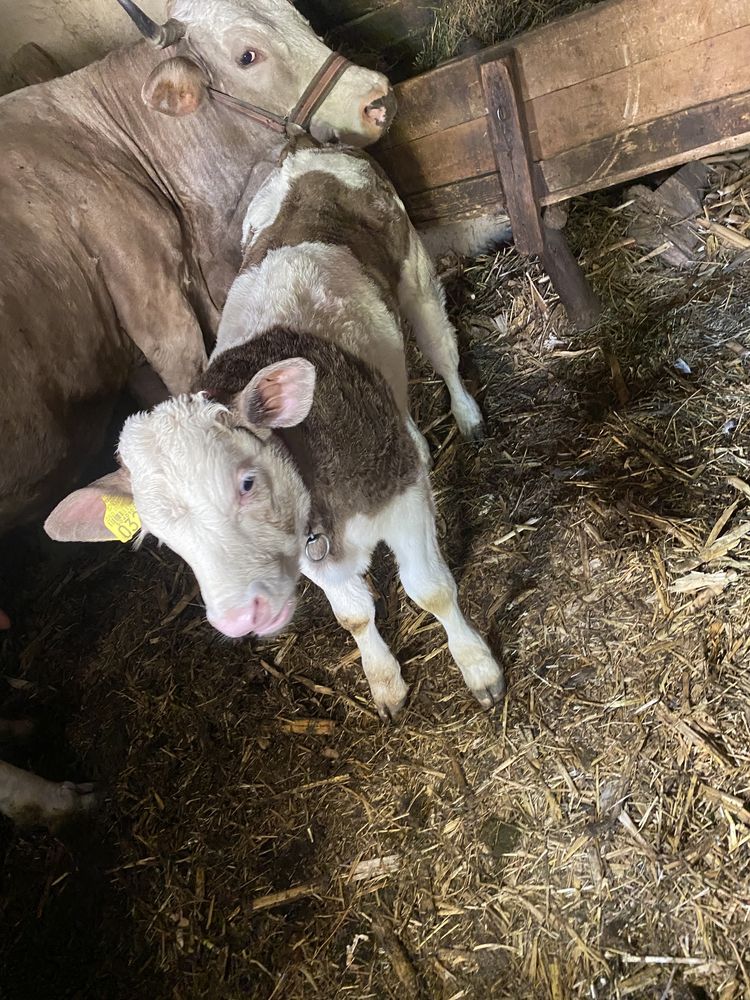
[{"x": 160, "y": 35}]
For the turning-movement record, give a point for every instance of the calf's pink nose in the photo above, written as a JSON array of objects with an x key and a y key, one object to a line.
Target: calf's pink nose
[{"x": 240, "y": 621}]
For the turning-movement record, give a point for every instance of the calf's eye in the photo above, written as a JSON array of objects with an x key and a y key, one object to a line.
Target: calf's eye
[
  {"x": 246, "y": 483},
  {"x": 247, "y": 58}
]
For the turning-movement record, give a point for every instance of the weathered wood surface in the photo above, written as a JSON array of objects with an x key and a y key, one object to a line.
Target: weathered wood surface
[
  {"x": 625, "y": 88},
  {"x": 509, "y": 135}
]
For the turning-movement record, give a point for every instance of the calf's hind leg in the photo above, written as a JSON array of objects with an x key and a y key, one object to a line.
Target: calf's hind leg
[
  {"x": 354, "y": 608},
  {"x": 422, "y": 302},
  {"x": 430, "y": 584},
  {"x": 28, "y": 799}
]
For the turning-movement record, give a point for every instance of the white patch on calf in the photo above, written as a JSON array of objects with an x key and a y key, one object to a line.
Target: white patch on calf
[{"x": 322, "y": 290}]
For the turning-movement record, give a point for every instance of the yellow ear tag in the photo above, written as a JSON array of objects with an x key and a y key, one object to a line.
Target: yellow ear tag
[{"x": 121, "y": 517}]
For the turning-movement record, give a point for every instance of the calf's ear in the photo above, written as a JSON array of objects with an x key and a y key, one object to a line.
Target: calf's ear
[
  {"x": 279, "y": 395},
  {"x": 176, "y": 87},
  {"x": 101, "y": 512}
]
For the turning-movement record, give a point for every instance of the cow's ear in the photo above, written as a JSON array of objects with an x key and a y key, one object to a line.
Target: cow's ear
[
  {"x": 101, "y": 512},
  {"x": 280, "y": 395},
  {"x": 176, "y": 87}
]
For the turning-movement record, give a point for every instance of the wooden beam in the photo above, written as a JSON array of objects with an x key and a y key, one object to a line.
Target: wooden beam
[
  {"x": 582, "y": 306},
  {"x": 514, "y": 164},
  {"x": 441, "y": 158},
  {"x": 507, "y": 132},
  {"x": 616, "y": 35},
  {"x": 670, "y": 141},
  {"x": 708, "y": 70},
  {"x": 431, "y": 184},
  {"x": 465, "y": 199}
]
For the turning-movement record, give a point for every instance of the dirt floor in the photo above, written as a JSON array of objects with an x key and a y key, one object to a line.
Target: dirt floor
[{"x": 261, "y": 834}]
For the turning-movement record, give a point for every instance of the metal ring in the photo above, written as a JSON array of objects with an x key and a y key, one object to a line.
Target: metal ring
[{"x": 315, "y": 538}]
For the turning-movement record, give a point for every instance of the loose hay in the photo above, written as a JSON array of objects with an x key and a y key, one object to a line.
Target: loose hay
[
  {"x": 485, "y": 22},
  {"x": 264, "y": 836}
]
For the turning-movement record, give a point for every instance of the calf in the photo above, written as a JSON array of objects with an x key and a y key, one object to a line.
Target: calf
[{"x": 299, "y": 454}]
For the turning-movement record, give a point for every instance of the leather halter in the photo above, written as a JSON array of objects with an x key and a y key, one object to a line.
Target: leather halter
[{"x": 301, "y": 114}]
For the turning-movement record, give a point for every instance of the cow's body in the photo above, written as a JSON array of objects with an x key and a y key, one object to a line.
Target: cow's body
[
  {"x": 98, "y": 259},
  {"x": 310, "y": 361},
  {"x": 120, "y": 226},
  {"x": 123, "y": 187}
]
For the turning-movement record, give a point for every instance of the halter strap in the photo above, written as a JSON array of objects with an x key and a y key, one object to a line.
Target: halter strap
[
  {"x": 312, "y": 97},
  {"x": 318, "y": 89}
]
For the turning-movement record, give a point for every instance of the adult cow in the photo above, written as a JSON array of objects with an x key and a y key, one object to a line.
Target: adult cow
[{"x": 123, "y": 188}]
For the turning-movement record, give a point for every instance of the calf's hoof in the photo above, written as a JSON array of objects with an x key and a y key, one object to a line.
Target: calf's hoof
[
  {"x": 71, "y": 801},
  {"x": 477, "y": 432},
  {"x": 469, "y": 419},
  {"x": 492, "y": 695},
  {"x": 390, "y": 699}
]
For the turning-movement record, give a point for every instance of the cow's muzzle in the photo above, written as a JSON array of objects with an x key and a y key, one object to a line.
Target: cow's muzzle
[{"x": 381, "y": 111}]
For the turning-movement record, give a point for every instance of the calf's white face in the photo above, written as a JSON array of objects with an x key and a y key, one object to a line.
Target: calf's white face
[
  {"x": 220, "y": 491},
  {"x": 266, "y": 53}
]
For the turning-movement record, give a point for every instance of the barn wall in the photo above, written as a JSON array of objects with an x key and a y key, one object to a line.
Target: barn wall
[{"x": 75, "y": 32}]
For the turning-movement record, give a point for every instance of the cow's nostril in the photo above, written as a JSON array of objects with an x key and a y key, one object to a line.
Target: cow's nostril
[
  {"x": 259, "y": 611},
  {"x": 381, "y": 110}
]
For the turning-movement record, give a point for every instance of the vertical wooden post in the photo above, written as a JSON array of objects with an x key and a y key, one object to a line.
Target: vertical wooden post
[{"x": 513, "y": 159}]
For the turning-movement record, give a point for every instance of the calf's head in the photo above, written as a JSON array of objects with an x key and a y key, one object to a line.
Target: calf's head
[
  {"x": 217, "y": 487},
  {"x": 262, "y": 52}
]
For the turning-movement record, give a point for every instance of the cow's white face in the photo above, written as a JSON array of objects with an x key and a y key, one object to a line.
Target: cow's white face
[
  {"x": 228, "y": 502},
  {"x": 264, "y": 52}
]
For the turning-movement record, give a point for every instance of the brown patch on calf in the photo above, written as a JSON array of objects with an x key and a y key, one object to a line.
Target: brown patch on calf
[
  {"x": 353, "y": 450},
  {"x": 369, "y": 222}
]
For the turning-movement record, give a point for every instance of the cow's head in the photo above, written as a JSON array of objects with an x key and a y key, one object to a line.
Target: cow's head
[
  {"x": 219, "y": 489},
  {"x": 262, "y": 52}
]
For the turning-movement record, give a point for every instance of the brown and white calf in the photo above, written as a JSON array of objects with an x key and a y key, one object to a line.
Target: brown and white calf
[{"x": 300, "y": 455}]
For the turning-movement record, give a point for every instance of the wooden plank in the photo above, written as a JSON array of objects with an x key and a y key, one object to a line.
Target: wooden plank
[
  {"x": 617, "y": 34},
  {"x": 569, "y": 281},
  {"x": 716, "y": 127},
  {"x": 717, "y": 67},
  {"x": 441, "y": 158},
  {"x": 511, "y": 155},
  {"x": 657, "y": 145},
  {"x": 463, "y": 154},
  {"x": 464, "y": 199},
  {"x": 433, "y": 102}
]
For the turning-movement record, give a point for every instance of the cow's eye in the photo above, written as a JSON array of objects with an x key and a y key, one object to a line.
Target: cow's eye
[
  {"x": 247, "y": 58},
  {"x": 246, "y": 483}
]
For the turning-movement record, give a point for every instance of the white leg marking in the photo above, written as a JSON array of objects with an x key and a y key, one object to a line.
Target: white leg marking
[
  {"x": 28, "y": 799},
  {"x": 429, "y": 583},
  {"x": 354, "y": 608},
  {"x": 422, "y": 301}
]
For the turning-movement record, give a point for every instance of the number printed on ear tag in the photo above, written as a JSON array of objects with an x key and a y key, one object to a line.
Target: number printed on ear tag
[{"x": 121, "y": 517}]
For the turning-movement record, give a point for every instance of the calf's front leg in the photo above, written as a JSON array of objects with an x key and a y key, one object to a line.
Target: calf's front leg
[
  {"x": 354, "y": 608},
  {"x": 427, "y": 580}
]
